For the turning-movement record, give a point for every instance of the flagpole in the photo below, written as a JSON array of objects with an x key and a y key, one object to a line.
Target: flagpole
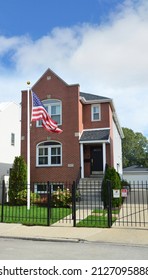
[{"x": 28, "y": 146}]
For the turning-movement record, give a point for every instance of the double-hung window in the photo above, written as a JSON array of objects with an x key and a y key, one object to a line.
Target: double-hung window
[
  {"x": 49, "y": 154},
  {"x": 95, "y": 112},
  {"x": 54, "y": 109}
]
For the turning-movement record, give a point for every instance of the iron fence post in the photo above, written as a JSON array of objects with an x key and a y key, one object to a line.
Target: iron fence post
[
  {"x": 3, "y": 200},
  {"x": 109, "y": 203},
  {"x": 48, "y": 203},
  {"x": 74, "y": 203}
]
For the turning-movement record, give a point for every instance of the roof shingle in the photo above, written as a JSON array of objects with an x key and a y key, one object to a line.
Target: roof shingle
[
  {"x": 95, "y": 135},
  {"x": 91, "y": 97}
]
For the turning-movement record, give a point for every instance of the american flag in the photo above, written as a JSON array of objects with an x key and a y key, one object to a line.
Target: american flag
[{"x": 39, "y": 112}]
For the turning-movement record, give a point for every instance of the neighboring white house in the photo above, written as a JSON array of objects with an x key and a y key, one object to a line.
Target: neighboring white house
[
  {"x": 136, "y": 174},
  {"x": 117, "y": 144},
  {"x": 9, "y": 135}
]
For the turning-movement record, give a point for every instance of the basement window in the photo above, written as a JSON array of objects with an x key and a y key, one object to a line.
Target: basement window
[{"x": 41, "y": 188}]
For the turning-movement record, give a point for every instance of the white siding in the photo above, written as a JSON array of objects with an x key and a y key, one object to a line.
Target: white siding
[
  {"x": 9, "y": 123},
  {"x": 117, "y": 147}
]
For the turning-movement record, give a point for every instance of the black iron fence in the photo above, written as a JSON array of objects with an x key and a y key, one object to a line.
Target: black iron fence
[
  {"x": 48, "y": 203},
  {"x": 134, "y": 208},
  {"x": 79, "y": 205},
  {"x": 55, "y": 204}
]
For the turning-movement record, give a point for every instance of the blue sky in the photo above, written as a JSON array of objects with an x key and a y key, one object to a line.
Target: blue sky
[
  {"x": 39, "y": 17},
  {"x": 100, "y": 44}
]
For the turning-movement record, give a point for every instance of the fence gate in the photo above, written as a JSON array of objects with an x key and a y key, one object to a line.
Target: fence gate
[
  {"x": 134, "y": 210},
  {"x": 88, "y": 205}
]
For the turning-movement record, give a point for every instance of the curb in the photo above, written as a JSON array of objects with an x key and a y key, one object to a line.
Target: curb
[
  {"x": 45, "y": 239},
  {"x": 73, "y": 240}
]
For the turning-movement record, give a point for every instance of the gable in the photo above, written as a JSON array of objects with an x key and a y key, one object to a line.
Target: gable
[{"x": 48, "y": 75}]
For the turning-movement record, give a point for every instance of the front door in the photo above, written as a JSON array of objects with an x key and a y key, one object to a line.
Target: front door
[{"x": 96, "y": 159}]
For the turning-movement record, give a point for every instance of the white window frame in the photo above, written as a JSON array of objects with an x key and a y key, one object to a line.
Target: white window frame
[
  {"x": 49, "y": 155},
  {"x": 92, "y": 112},
  {"x": 48, "y": 103},
  {"x": 42, "y": 191},
  {"x": 54, "y": 187}
]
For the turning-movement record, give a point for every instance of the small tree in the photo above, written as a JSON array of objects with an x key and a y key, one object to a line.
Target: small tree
[
  {"x": 111, "y": 175},
  {"x": 18, "y": 179}
]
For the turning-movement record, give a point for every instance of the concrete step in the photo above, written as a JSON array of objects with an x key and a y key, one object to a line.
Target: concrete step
[{"x": 88, "y": 183}]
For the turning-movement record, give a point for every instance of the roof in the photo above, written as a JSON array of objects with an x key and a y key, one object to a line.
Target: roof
[
  {"x": 48, "y": 72},
  {"x": 95, "y": 135},
  {"x": 92, "y": 97},
  {"x": 4, "y": 105},
  {"x": 135, "y": 168}
]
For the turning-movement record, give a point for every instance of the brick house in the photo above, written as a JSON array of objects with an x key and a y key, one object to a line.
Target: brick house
[{"x": 91, "y": 134}]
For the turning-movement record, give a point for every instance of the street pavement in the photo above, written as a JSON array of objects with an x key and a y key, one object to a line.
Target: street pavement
[{"x": 119, "y": 235}]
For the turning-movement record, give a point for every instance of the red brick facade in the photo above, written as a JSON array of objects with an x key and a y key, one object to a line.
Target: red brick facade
[{"x": 76, "y": 116}]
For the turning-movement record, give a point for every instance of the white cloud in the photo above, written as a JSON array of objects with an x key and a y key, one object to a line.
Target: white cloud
[{"x": 109, "y": 59}]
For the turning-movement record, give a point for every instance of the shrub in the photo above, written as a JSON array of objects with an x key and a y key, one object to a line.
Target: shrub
[
  {"x": 111, "y": 175},
  {"x": 125, "y": 183},
  {"x": 21, "y": 198},
  {"x": 18, "y": 178},
  {"x": 61, "y": 198}
]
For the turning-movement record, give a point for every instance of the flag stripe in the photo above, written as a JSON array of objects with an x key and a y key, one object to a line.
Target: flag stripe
[{"x": 40, "y": 113}]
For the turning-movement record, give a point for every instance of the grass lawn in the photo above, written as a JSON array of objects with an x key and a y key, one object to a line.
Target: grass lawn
[
  {"x": 98, "y": 218},
  {"x": 35, "y": 216},
  {"x": 38, "y": 215}
]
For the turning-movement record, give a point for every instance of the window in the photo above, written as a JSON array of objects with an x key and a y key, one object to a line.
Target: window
[
  {"x": 49, "y": 154},
  {"x": 12, "y": 139},
  {"x": 41, "y": 188},
  {"x": 54, "y": 108},
  {"x": 95, "y": 112}
]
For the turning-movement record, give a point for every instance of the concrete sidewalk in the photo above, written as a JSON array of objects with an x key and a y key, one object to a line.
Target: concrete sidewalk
[{"x": 131, "y": 236}]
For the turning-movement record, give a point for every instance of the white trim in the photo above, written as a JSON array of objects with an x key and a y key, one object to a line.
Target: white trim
[
  {"x": 49, "y": 153},
  {"x": 84, "y": 101},
  {"x": 95, "y": 141},
  {"x": 82, "y": 160},
  {"x": 92, "y": 129},
  {"x": 104, "y": 156}
]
